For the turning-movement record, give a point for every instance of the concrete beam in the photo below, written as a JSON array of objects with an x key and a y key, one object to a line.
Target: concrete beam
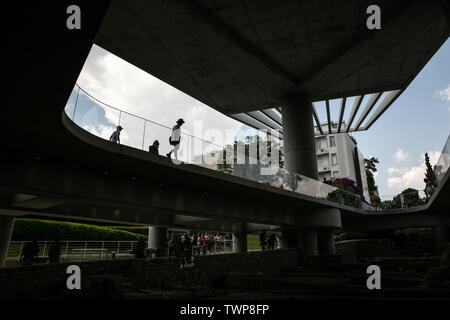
[
  {"x": 316, "y": 118},
  {"x": 341, "y": 113},
  {"x": 259, "y": 116},
  {"x": 327, "y": 103},
  {"x": 252, "y": 122},
  {"x": 355, "y": 109},
  {"x": 369, "y": 105},
  {"x": 273, "y": 115},
  {"x": 383, "y": 106},
  {"x": 417, "y": 16}
]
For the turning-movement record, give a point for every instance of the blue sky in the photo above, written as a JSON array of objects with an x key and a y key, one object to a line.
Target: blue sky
[{"x": 417, "y": 122}]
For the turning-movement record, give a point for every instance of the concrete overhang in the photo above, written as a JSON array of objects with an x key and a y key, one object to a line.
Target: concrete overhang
[{"x": 240, "y": 56}]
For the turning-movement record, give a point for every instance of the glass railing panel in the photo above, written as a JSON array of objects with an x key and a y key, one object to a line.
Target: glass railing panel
[
  {"x": 101, "y": 120},
  {"x": 132, "y": 133},
  {"x": 70, "y": 106},
  {"x": 158, "y": 132},
  {"x": 94, "y": 116},
  {"x": 443, "y": 163}
]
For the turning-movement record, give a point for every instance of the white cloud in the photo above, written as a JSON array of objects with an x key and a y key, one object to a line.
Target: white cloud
[
  {"x": 411, "y": 177},
  {"x": 124, "y": 86},
  {"x": 400, "y": 155},
  {"x": 445, "y": 93},
  {"x": 392, "y": 171}
]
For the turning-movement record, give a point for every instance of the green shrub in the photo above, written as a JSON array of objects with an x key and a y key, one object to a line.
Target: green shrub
[
  {"x": 137, "y": 230},
  {"x": 28, "y": 229},
  {"x": 344, "y": 197}
]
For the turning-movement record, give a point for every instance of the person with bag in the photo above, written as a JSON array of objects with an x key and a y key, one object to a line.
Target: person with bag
[
  {"x": 115, "y": 137},
  {"x": 175, "y": 138}
]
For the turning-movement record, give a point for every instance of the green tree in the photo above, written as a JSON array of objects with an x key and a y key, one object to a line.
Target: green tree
[
  {"x": 370, "y": 165},
  {"x": 410, "y": 199},
  {"x": 255, "y": 140},
  {"x": 430, "y": 178}
]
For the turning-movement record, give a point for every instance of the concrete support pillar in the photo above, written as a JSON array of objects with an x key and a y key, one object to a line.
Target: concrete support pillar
[
  {"x": 325, "y": 240},
  {"x": 287, "y": 239},
  {"x": 157, "y": 240},
  {"x": 6, "y": 229},
  {"x": 307, "y": 241},
  {"x": 240, "y": 242},
  {"x": 298, "y": 135}
]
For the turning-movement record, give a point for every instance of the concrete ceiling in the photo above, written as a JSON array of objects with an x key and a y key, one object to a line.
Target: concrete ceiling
[{"x": 240, "y": 56}]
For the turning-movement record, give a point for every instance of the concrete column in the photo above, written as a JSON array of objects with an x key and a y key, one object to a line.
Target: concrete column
[
  {"x": 307, "y": 241},
  {"x": 157, "y": 240},
  {"x": 298, "y": 135},
  {"x": 325, "y": 240},
  {"x": 287, "y": 239},
  {"x": 240, "y": 242},
  {"x": 6, "y": 229}
]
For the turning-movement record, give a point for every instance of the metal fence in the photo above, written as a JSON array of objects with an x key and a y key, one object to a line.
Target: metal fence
[
  {"x": 77, "y": 250},
  {"x": 96, "y": 250}
]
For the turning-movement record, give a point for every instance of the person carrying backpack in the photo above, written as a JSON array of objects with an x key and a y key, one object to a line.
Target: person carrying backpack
[{"x": 175, "y": 138}]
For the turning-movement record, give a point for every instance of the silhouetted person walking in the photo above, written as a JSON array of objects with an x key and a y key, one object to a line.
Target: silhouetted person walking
[
  {"x": 262, "y": 240},
  {"x": 271, "y": 241},
  {"x": 54, "y": 252},
  {"x": 30, "y": 253},
  {"x": 140, "y": 249},
  {"x": 175, "y": 138},
  {"x": 115, "y": 137},
  {"x": 187, "y": 245},
  {"x": 154, "y": 148}
]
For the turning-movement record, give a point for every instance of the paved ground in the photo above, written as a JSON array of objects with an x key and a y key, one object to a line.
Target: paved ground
[{"x": 402, "y": 278}]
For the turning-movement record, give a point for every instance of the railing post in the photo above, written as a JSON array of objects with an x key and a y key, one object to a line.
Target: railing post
[
  {"x": 76, "y": 102},
  {"x": 143, "y": 136},
  {"x": 45, "y": 246},
  {"x": 67, "y": 247},
  {"x": 85, "y": 247},
  {"x": 20, "y": 251},
  {"x": 101, "y": 252},
  {"x": 118, "y": 246}
]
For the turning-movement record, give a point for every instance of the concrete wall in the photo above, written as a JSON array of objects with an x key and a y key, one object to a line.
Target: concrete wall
[
  {"x": 209, "y": 268},
  {"x": 108, "y": 279},
  {"x": 98, "y": 278},
  {"x": 358, "y": 250}
]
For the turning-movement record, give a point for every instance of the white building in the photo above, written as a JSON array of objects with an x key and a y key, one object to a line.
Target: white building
[{"x": 338, "y": 156}]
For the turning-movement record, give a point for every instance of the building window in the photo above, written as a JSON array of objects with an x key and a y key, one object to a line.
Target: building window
[
  {"x": 334, "y": 126},
  {"x": 334, "y": 160},
  {"x": 332, "y": 141},
  {"x": 317, "y": 145}
]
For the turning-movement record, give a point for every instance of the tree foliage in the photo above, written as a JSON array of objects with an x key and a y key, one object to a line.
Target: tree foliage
[
  {"x": 370, "y": 165},
  {"x": 347, "y": 191},
  {"x": 410, "y": 199},
  {"x": 430, "y": 178}
]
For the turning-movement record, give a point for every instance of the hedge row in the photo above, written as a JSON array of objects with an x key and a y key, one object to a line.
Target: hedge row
[
  {"x": 137, "y": 230},
  {"x": 28, "y": 229}
]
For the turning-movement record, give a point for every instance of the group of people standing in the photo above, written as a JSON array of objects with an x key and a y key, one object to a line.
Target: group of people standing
[
  {"x": 184, "y": 246},
  {"x": 30, "y": 253},
  {"x": 267, "y": 240},
  {"x": 174, "y": 139}
]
